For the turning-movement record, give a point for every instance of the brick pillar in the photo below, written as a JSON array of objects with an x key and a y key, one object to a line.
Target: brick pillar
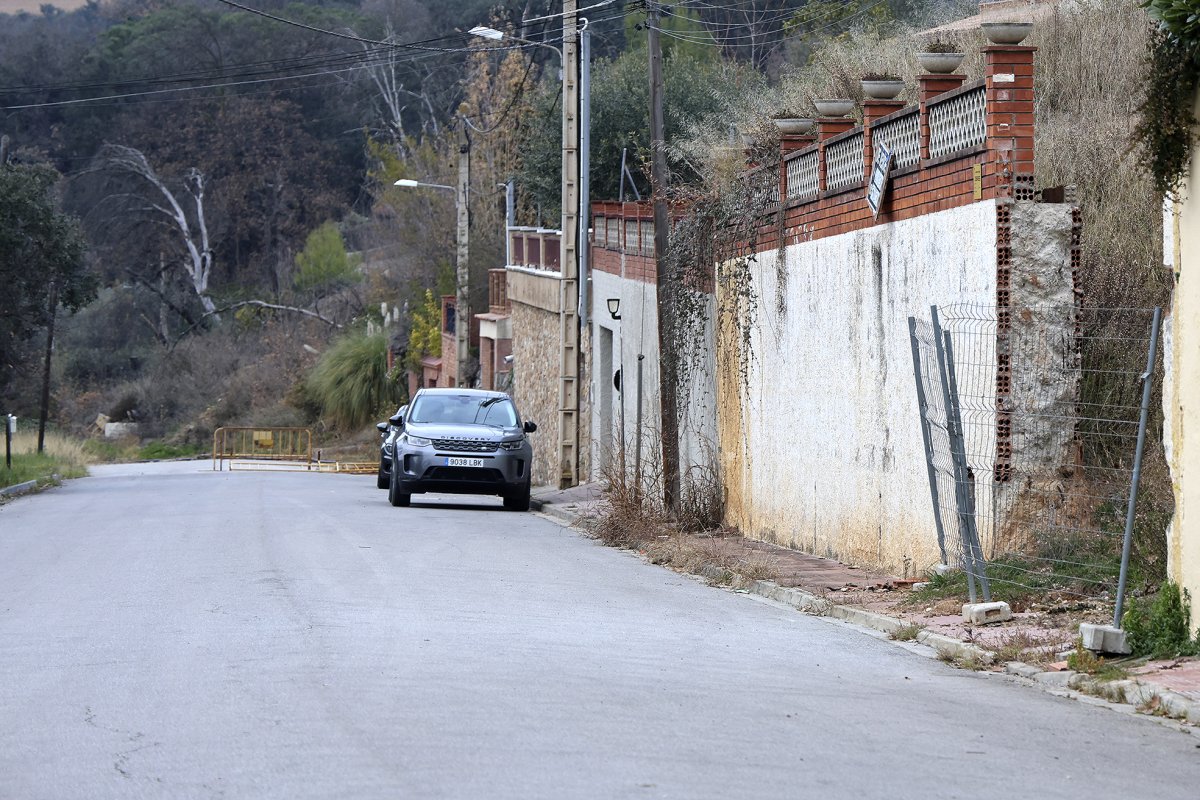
[
  {"x": 872, "y": 111},
  {"x": 487, "y": 364},
  {"x": 931, "y": 87},
  {"x": 826, "y": 128},
  {"x": 1008, "y": 73},
  {"x": 791, "y": 142}
]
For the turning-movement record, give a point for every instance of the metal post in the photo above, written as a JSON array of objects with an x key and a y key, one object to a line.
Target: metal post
[
  {"x": 637, "y": 429},
  {"x": 1127, "y": 545},
  {"x": 462, "y": 299},
  {"x": 957, "y": 459},
  {"x": 927, "y": 437},
  {"x": 510, "y": 218},
  {"x": 975, "y": 549},
  {"x": 9, "y": 419}
]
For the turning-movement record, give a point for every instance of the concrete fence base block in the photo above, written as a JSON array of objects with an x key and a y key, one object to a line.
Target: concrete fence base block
[
  {"x": 19, "y": 488},
  {"x": 1103, "y": 639},
  {"x": 986, "y": 613}
]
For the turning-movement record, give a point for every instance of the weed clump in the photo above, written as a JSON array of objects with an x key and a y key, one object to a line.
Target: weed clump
[
  {"x": 907, "y": 633},
  {"x": 1159, "y": 628}
]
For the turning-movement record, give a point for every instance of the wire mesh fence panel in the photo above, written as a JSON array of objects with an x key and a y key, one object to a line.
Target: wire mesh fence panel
[{"x": 1047, "y": 403}]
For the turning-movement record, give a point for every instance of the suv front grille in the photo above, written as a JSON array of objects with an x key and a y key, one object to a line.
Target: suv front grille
[{"x": 465, "y": 445}]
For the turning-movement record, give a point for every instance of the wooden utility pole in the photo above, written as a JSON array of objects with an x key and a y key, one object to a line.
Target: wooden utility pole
[
  {"x": 668, "y": 357},
  {"x": 44, "y": 412},
  {"x": 568, "y": 315},
  {"x": 462, "y": 299}
]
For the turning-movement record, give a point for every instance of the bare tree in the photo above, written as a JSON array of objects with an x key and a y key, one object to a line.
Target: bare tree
[{"x": 189, "y": 224}]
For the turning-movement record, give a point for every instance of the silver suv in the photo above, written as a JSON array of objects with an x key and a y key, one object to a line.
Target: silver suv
[{"x": 461, "y": 441}]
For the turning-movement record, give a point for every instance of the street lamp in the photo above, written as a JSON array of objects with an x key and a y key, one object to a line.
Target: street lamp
[
  {"x": 484, "y": 32},
  {"x": 462, "y": 319},
  {"x": 411, "y": 184}
]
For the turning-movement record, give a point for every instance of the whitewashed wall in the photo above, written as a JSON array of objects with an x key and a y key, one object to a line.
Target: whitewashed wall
[
  {"x": 821, "y": 447},
  {"x": 635, "y": 333}
]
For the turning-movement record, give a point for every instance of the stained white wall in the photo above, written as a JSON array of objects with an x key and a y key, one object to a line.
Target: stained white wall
[
  {"x": 635, "y": 333},
  {"x": 821, "y": 445}
]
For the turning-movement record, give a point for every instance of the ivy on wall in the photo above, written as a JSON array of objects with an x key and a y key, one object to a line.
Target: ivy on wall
[{"x": 1167, "y": 129}]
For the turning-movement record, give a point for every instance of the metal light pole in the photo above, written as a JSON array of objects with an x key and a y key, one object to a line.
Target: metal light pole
[{"x": 462, "y": 319}]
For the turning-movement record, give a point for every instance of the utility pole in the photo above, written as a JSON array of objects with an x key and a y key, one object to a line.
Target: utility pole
[
  {"x": 667, "y": 356},
  {"x": 462, "y": 311},
  {"x": 44, "y": 412},
  {"x": 568, "y": 315}
]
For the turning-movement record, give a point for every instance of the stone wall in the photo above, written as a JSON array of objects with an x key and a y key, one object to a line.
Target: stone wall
[
  {"x": 535, "y": 299},
  {"x": 535, "y": 384}
]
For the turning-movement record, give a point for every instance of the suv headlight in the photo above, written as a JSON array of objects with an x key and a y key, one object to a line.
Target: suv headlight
[
  {"x": 515, "y": 444},
  {"x": 416, "y": 441}
]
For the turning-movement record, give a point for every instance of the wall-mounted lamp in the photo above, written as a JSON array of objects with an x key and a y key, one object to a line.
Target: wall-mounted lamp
[{"x": 614, "y": 305}]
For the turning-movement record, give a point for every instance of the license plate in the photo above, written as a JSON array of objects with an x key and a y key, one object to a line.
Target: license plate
[{"x": 464, "y": 462}]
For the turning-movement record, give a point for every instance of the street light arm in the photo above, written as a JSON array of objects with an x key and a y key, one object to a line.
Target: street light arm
[
  {"x": 491, "y": 33},
  {"x": 408, "y": 183}
]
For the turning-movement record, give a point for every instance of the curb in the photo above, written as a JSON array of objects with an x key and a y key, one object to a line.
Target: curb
[
  {"x": 558, "y": 512},
  {"x": 801, "y": 600},
  {"x": 18, "y": 488},
  {"x": 1128, "y": 692}
]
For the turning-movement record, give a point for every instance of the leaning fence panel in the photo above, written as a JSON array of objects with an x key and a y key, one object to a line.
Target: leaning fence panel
[{"x": 1046, "y": 406}]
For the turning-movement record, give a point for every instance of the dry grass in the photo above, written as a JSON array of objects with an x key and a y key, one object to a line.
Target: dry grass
[
  {"x": 1021, "y": 645},
  {"x": 63, "y": 456},
  {"x": 65, "y": 450},
  {"x": 635, "y": 517}
]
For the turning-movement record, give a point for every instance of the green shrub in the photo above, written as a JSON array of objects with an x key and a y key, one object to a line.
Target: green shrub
[
  {"x": 1159, "y": 628},
  {"x": 350, "y": 382}
]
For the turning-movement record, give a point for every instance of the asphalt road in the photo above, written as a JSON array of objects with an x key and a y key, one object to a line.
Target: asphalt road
[{"x": 172, "y": 632}]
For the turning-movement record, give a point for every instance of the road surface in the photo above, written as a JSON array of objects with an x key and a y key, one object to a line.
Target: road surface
[{"x": 167, "y": 631}]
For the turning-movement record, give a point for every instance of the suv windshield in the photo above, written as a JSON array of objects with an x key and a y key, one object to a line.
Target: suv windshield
[{"x": 464, "y": 409}]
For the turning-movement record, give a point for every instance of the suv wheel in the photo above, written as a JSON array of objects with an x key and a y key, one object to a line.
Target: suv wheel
[
  {"x": 395, "y": 496},
  {"x": 519, "y": 501},
  {"x": 381, "y": 479}
]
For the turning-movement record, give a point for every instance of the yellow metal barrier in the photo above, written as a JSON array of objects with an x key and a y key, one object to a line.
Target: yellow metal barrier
[
  {"x": 263, "y": 448},
  {"x": 349, "y": 467}
]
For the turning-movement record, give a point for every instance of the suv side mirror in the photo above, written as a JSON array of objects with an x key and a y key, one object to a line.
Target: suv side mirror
[
  {"x": 381, "y": 427},
  {"x": 397, "y": 419},
  {"x": 529, "y": 427}
]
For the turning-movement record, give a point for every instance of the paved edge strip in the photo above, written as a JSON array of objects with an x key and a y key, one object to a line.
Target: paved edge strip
[
  {"x": 19, "y": 488},
  {"x": 1129, "y": 692}
]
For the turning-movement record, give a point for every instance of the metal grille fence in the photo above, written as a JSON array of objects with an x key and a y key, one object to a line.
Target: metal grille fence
[
  {"x": 844, "y": 165},
  {"x": 902, "y": 136},
  {"x": 802, "y": 180},
  {"x": 647, "y": 229},
  {"x": 958, "y": 123},
  {"x": 1034, "y": 422},
  {"x": 631, "y": 236}
]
